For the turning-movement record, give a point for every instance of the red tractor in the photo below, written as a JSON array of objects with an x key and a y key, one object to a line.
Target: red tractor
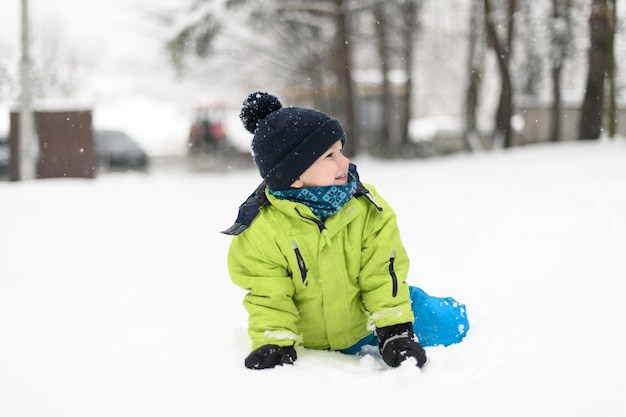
[{"x": 207, "y": 133}]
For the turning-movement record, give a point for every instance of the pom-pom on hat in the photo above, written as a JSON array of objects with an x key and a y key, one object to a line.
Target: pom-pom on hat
[{"x": 287, "y": 140}]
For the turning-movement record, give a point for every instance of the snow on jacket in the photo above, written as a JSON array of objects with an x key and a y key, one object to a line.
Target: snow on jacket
[{"x": 322, "y": 284}]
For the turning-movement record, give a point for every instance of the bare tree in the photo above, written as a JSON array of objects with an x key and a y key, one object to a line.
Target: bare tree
[
  {"x": 344, "y": 75},
  {"x": 409, "y": 24},
  {"x": 310, "y": 42},
  {"x": 396, "y": 26},
  {"x": 611, "y": 70},
  {"x": 502, "y": 47},
  {"x": 5, "y": 82},
  {"x": 529, "y": 68},
  {"x": 561, "y": 49},
  {"x": 593, "y": 104},
  {"x": 55, "y": 64},
  {"x": 475, "y": 63},
  {"x": 381, "y": 25}
]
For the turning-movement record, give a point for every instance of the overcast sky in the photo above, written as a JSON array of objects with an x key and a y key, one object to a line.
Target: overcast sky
[
  {"x": 100, "y": 31},
  {"x": 123, "y": 68}
]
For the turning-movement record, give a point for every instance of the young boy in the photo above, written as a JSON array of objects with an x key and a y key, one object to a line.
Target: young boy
[{"x": 318, "y": 251}]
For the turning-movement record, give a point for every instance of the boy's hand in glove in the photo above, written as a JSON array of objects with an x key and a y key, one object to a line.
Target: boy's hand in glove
[
  {"x": 398, "y": 343},
  {"x": 268, "y": 356}
]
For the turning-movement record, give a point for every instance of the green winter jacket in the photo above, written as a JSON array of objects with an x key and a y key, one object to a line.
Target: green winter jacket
[{"x": 324, "y": 285}]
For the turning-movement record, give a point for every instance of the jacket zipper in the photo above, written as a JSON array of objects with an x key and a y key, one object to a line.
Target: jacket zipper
[
  {"x": 392, "y": 272},
  {"x": 321, "y": 224},
  {"x": 301, "y": 263}
]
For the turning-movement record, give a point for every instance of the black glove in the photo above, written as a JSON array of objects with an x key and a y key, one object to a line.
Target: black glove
[
  {"x": 398, "y": 343},
  {"x": 268, "y": 356}
]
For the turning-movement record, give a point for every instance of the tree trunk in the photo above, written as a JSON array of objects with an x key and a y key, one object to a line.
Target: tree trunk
[
  {"x": 612, "y": 116},
  {"x": 557, "y": 65},
  {"x": 555, "y": 117},
  {"x": 475, "y": 68},
  {"x": 410, "y": 31},
  {"x": 383, "y": 53},
  {"x": 345, "y": 80},
  {"x": 592, "y": 109},
  {"x": 502, "y": 49}
]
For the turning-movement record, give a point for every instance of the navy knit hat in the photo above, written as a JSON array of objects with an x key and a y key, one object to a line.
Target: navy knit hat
[{"x": 287, "y": 140}]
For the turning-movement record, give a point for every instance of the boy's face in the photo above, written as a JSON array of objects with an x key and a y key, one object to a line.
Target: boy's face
[{"x": 330, "y": 169}]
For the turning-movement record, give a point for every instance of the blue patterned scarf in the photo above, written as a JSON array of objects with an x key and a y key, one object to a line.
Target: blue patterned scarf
[{"x": 323, "y": 201}]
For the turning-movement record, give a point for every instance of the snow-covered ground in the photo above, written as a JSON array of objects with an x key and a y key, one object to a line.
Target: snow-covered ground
[{"x": 115, "y": 298}]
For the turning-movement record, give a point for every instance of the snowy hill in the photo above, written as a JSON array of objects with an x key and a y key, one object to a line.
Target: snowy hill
[{"x": 115, "y": 299}]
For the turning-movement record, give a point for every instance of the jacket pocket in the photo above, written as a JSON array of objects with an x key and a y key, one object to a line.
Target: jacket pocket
[
  {"x": 392, "y": 273},
  {"x": 301, "y": 264}
]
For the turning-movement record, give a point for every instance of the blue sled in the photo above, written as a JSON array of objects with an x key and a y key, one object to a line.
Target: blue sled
[{"x": 438, "y": 321}]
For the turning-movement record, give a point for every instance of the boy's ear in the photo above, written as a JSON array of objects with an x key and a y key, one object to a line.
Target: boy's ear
[{"x": 298, "y": 183}]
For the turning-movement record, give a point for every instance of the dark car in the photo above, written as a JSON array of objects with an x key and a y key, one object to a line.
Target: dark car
[
  {"x": 114, "y": 149},
  {"x": 5, "y": 156}
]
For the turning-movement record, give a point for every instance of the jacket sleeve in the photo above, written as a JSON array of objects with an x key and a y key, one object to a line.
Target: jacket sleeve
[
  {"x": 259, "y": 267},
  {"x": 384, "y": 268}
]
